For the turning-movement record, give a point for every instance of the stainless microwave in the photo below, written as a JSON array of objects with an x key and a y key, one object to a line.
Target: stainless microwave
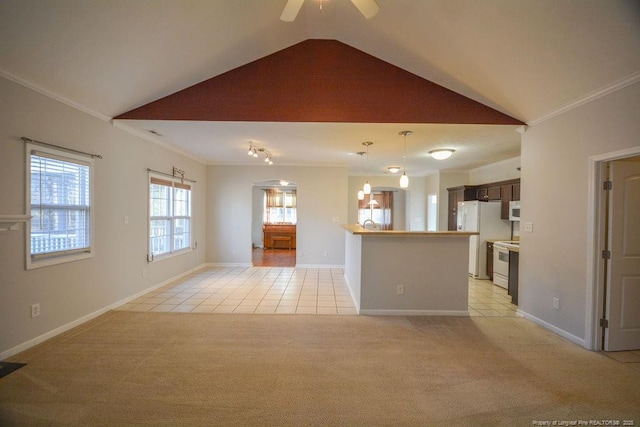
[{"x": 514, "y": 210}]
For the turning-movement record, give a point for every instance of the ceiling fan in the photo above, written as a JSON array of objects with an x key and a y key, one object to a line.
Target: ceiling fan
[{"x": 368, "y": 8}]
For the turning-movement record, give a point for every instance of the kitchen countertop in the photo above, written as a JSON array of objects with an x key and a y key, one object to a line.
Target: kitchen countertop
[
  {"x": 358, "y": 229},
  {"x": 510, "y": 247}
]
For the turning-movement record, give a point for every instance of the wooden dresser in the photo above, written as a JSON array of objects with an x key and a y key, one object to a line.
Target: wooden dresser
[{"x": 276, "y": 236}]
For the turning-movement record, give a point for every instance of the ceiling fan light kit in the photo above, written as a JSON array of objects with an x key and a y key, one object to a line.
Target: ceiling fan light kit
[{"x": 368, "y": 9}]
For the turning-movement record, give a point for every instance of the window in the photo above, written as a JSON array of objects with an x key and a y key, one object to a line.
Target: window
[
  {"x": 59, "y": 188},
  {"x": 169, "y": 216},
  {"x": 280, "y": 207},
  {"x": 377, "y": 206}
]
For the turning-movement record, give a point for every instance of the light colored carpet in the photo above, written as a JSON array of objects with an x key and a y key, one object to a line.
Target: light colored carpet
[{"x": 127, "y": 368}]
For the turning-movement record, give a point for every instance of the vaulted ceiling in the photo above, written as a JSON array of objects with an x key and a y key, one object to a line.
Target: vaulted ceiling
[{"x": 527, "y": 59}]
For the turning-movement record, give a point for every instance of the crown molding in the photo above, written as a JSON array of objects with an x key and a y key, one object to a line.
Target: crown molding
[
  {"x": 120, "y": 124},
  {"x": 53, "y": 95},
  {"x": 613, "y": 87},
  {"x": 135, "y": 132}
]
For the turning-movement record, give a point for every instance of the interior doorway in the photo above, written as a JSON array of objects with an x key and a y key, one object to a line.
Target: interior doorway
[
  {"x": 615, "y": 319},
  {"x": 274, "y": 223}
]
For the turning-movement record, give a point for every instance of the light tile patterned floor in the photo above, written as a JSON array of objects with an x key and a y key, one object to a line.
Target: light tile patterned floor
[
  {"x": 487, "y": 299},
  {"x": 271, "y": 290},
  {"x": 284, "y": 290}
]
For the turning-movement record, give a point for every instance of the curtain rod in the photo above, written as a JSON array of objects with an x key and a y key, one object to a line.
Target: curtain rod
[
  {"x": 172, "y": 176},
  {"x": 29, "y": 140}
]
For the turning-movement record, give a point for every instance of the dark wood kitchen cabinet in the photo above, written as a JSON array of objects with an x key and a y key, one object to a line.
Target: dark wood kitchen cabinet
[
  {"x": 515, "y": 191},
  {"x": 506, "y": 195},
  {"x": 458, "y": 194},
  {"x": 514, "y": 269},
  {"x": 490, "y": 260},
  {"x": 503, "y": 191},
  {"x": 509, "y": 190},
  {"x": 488, "y": 192}
]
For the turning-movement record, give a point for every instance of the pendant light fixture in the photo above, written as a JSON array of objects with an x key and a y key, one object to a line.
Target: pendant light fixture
[
  {"x": 404, "y": 179},
  {"x": 367, "y": 187},
  {"x": 361, "y": 191}
]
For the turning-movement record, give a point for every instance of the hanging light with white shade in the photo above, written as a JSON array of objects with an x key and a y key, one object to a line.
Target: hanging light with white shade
[
  {"x": 404, "y": 179},
  {"x": 367, "y": 187},
  {"x": 361, "y": 191}
]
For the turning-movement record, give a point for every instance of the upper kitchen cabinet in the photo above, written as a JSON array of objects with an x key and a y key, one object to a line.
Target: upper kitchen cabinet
[
  {"x": 504, "y": 191},
  {"x": 509, "y": 190},
  {"x": 516, "y": 191},
  {"x": 488, "y": 192}
]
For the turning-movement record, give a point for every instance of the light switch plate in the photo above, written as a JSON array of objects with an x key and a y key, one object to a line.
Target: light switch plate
[{"x": 528, "y": 227}]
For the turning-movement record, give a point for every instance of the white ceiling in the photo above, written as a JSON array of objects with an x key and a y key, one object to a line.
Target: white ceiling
[{"x": 525, "y": 58}]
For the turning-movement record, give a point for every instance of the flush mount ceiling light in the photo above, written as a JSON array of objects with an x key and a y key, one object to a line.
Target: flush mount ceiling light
[
  {"x": 368, "y": 8},
  {"x": 441, "y": 153},
  {"x": 394, "y": 169},
  {"x": 404, "y": 179}
]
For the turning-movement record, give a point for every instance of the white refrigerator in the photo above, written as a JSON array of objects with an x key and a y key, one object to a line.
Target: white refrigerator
[{"x": 483, "y": 217}]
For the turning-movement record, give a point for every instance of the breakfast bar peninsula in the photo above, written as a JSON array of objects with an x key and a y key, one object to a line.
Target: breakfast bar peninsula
[{"x": 393, "y": 272}]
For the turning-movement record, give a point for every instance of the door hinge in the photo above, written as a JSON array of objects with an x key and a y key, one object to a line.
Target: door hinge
[
  {"x": 608, "y": 185},
  {"x": 606, "y": 254},
  {"x": 604, "y": 323}
]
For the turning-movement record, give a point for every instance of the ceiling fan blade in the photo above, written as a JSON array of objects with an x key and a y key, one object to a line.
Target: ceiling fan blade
[
  {"x": 291, "y": 10},
  {"x": 368, "y": 8}
]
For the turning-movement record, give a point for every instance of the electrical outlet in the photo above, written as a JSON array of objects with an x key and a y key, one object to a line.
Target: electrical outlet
[
  {"x": 400, "y": 290},
  {"x": 528, "y": 227},
  {"x": 35, "y": 310},
  {"x": 556, "y": 303}
]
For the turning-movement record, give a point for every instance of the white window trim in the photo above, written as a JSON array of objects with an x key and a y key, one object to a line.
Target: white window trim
[
  {"x": 155, "y": 258},
  {"x": 61, "y": 258}
]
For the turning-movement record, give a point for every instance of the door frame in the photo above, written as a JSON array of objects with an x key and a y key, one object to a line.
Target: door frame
[{"x": 596, "y": 229}]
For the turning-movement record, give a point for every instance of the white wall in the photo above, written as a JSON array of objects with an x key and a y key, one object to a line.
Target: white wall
[
  {"x": 499, "y": 171},
  {"x": 322, "y": 208},
  {"x": 432, "y": 186},
  {"x": 554, "y": 193},
  {"x": 71, "y": 291},
  {"x": 257, "y": 211}
]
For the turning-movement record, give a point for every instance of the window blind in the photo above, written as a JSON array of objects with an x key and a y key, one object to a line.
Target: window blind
[{"x": 60, "y": 205}]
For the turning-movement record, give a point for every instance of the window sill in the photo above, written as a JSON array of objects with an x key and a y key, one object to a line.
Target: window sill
[
  {"x": 156, "y": 258},
  {"x": 57, "y": 260}
]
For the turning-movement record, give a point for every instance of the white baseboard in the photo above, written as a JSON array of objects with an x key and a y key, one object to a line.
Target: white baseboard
[
  {"x": 57, "y": 331},
  {"x": 356, "y": 301},
  {"x": 564, "y": 334},
  {"x": 319, "y": 266},
  {"x": 229, "y": 264},
  {"x": 460, "y": 313}
]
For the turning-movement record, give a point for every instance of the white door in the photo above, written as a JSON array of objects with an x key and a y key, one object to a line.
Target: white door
[{"x": 623, "y": 290}]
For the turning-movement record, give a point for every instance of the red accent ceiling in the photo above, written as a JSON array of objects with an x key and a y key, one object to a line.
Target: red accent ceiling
[{"x": 320, "y": 81}]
